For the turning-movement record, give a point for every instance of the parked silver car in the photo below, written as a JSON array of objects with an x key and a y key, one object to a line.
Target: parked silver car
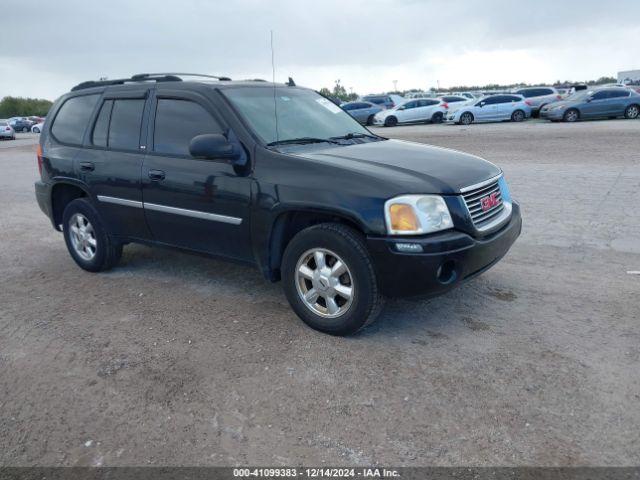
[
  {"x": 6, "y": 131},
  {"x": 363, "y": 112},
  {"x": 493, "y": 108},
  {"x": 538, "y": 97}
]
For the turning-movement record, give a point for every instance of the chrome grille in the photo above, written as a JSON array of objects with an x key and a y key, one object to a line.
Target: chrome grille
[{"x": 472, "y": 200}]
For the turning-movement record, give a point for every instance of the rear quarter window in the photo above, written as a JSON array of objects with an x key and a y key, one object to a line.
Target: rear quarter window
[{"x": 71, "y": 120}]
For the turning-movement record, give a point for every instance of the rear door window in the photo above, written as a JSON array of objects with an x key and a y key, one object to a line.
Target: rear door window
[
  {"x": 101, "y": 128},
  {"x": 71, "y": 121},
  {"x": 126, "y": 121},
  {"x": 177, "y": 122}
]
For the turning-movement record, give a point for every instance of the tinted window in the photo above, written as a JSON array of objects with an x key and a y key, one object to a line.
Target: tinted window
[
  {"x": 454, "y": 99},
  {"x": 618, "y": 93},
  {"x": 512, "y": 98},
  {"x": 376, "y": 100},
  {"x": 600, "y": 95},
  {"x": 427, "y": 103},
  {"x": 177, "y": 122},
  {"x": 409, "y": 105},
  {"x": 72, "y": 118},
  {"x": 126, "y": 120},
  {"x": 351, "y": 106},
  {"x": 102, "y": 125},
  {"x": 491, "y": 100}
]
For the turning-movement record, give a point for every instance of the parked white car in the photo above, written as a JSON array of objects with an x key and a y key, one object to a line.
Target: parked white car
[
  {"x": 37, "y": 128},
  {"x": 493, "y": 108},
  {"x": 538, "y": 97},
  {"x": 420, "y": 110}
]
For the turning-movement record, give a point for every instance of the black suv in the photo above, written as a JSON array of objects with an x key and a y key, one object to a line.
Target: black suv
[{"x": 271, "y": 175}]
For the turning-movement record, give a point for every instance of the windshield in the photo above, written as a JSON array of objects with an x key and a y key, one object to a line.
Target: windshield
[
  {"x": 298, "y": 114},
  {"x": 580, "y": 95}
]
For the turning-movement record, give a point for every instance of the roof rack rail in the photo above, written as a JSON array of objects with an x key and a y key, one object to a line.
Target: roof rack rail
[{"x": 143, "y": 77}]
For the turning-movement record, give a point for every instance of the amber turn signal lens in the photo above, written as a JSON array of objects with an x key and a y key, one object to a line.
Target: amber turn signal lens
[{"x": 403, "y": 218}]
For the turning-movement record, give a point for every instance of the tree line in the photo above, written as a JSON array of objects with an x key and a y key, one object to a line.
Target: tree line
[{"x": 24, "y": 107}]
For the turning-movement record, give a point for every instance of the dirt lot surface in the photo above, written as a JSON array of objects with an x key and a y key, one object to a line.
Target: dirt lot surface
[{"x": 172, "y": 359}]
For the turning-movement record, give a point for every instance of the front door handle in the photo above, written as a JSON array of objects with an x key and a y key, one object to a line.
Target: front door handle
[
  {"x": 156, "y": 175},
  {"x": 87, "y": 166}
]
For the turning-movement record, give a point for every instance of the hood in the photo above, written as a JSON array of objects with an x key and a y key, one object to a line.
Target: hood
[
  {"x": 411, "y": 167},
  {"x": 454, "y": 107}
]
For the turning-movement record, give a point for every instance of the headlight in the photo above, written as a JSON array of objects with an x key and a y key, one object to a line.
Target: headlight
[{"x": 416, "y": 215}]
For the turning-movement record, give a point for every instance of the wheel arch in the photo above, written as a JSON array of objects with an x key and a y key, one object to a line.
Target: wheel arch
[
  {"x": 289, "y": 222},
  {"x": 63, "y": 192}
]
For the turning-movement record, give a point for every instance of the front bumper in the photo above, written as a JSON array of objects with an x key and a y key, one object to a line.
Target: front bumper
[
  {"x": 552, "y": 114},
  {"x": 448, "y": 259}
]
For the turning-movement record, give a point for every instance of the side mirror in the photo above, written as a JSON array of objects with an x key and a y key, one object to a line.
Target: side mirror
[
  {"x": 401, "y": 108},
  {"x": 482, "y": 104},
  {"x": 589, "y": 99},
  {"x": 212, "y": 146}
]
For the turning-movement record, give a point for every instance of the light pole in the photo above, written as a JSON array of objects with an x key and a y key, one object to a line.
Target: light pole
[{"x": 395, "y": 85}]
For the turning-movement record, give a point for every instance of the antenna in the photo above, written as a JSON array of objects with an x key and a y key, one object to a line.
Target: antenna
[{"x": 273, "y": 79}]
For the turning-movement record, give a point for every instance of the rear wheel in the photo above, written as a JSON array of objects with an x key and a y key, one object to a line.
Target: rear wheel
[
  {"x": 517, "y": 116},
  {"x": 466, "y": 118},
  {"x": 25, "y": 129},
  {"x": 390, "y": 121},
  {"x": 88, "y": 242},
  {"x": 571, "y": 115},
  {"x": 437, "y": 117},
  {"x": 329, "y": 279},
  {"x": 632, "y": 112}
]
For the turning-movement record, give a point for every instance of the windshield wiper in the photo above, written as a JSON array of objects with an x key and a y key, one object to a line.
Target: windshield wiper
[
  {"x": 301, "y": 141},
  {"x": 349, "y": 136}
]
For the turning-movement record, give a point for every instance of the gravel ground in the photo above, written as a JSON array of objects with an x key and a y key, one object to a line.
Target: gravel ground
[{"x": 173, "y": 359}]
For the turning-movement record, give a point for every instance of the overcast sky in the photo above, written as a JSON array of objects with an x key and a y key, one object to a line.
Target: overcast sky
[{"x": 49, "y": 46}]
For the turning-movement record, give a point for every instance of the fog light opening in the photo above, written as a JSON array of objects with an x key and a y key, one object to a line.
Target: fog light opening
[{"x": 447, "y": 272}]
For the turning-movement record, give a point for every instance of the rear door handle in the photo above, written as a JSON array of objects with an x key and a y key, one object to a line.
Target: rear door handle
[
  {"x": 87, "y": 166},
  {"x": 156, "y": 175}
]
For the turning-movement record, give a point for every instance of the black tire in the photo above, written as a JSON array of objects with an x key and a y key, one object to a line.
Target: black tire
[
  {"x": 370, "y": 120},
  {"x": 632, "y": 112},
  {"x": 35, "y": 130},
  {"x": 466, "y": 118},
  {"x": 25, "y": 130},
  {"x": 518, "y": 116},
  {"x": 390, "y": 121},
  {"x": 348, "y": 244},
  {"x": 107, "y": 251},
  {"x": 571, "y": 115},
  {"x": 437, "y": 117}
]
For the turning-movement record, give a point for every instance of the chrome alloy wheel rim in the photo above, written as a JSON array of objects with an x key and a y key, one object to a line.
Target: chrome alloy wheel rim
[
  {"x": 324, "y": 283},
  {"x": 83, "y": 237},
  {"x": 633, "y": 112},
  {"x": 572, "y": 116}
]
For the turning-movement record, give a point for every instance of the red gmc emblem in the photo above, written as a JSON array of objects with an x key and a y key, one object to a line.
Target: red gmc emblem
[{"x": 489, "y": 201}]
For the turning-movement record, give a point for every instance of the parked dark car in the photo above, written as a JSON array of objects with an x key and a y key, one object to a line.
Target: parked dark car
[
  {"x": 384, "y": 101},
  {"x": 601, "y": 103},
  {"x": 20, "y": 125},
  {"x": 301, "y": 191},
  {"x": 363, "y": 112}
]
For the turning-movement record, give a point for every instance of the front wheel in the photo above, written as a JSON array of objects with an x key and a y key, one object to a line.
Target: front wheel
[
  {"x": 571, "y": 115},
  {"x": 632, "y": 112},
  {"x": 370, "y": 120},
  {"x": 25, "y": 130},
  {"x": 391, "y": 122},
  {"x": 329, "y": 279},
  {"x": 517, "y": 116},
  {"x": 35, "y": 130},
  {"x": 466, "y": 118},
  {"x": 88, "y": 242}
]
